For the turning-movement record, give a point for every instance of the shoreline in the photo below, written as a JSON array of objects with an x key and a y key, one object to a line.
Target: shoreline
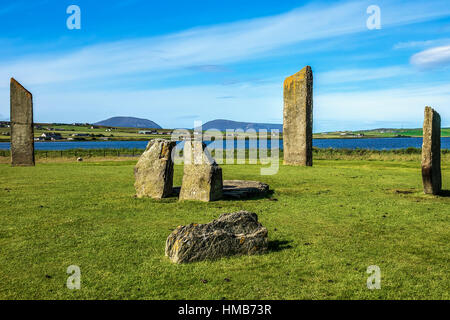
[{"x": 235, "y": 138}]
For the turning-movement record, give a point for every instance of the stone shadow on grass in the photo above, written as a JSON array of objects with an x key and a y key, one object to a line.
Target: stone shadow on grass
[
  {"x": 444, "y": 193},
  {"x": 279, "y": 245},
  {"x": 245, "y": 195}
]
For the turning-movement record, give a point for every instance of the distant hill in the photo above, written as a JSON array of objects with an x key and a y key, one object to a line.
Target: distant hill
[
  {"x": 222, "y": 125},
  {"x": 128, "y": 122}
]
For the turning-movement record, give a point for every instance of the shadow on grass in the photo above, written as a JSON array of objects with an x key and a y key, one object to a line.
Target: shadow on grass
[
  {"x": 444, "y": 193},
  {"x": 279, "y": 245},
  {"x": 244, "y": 194}
]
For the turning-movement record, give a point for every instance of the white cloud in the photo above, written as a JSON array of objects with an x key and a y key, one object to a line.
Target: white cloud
[
  {"x": 213, "y": 45},
  {"x": 434, "y": 57},
  {"x": 401, "y": 105},
  {"x": 216, "y": 46},
  {"x": 421, "y": 44},
  {"x": 361, "y": 74},
  {"x": 172, "y": 107}
]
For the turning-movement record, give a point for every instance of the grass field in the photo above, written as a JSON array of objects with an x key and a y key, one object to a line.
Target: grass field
[{"x": 326, "y": 225}]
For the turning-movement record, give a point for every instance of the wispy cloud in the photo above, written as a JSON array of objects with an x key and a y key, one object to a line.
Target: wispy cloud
[
  {"x": 226, "y": 97},
  {"x": 209, "y": 68},
  {"x": 252, "y": 102},
  {"x": 431, "y": 58},
  {"x": 421, "y": 44},
  {"x": 215, "y": 45},
  {"x": 361, "y": 74}
]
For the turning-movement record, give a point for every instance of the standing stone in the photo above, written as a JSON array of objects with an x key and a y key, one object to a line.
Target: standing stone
[
  {"x": 298, "y": 118},
  {"x": 154, "y": 170},
  {"x": 431, "y": 152},
  {"x": 22, "y": 132},
  {"x": 202, "y": 179}
]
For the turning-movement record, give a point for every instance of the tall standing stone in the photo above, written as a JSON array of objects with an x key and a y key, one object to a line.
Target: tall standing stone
[
  {"x": 431, "y": 152},
  {"x": 202, "y": 177},
  {"x": 298, "y": 118},
  {"x": 154, "y": 170},
  {"x": 22, "y": 132}
]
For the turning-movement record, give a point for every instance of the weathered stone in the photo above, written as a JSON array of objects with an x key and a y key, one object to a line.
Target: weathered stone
[
  {"x": 230, "y": 234},
  {"x": 242, "y": 189},
  {"x": 298, "y": 118},
  {"x": 154, "y": 170},
  {"x": 431, "y": 152},
  {"x": 22, "y": 132},
  {"x": 202, "y": 176},
  {"x": 239, "y": 189}
]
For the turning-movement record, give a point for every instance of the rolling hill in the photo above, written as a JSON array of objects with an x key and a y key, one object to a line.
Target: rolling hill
[
  {"x": 222, "y": 125},
  {"x": 128, "y": 122}
]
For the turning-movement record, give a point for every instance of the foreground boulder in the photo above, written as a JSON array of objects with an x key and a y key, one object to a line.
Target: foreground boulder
[
  {"x": 202, "y": 176},
  {"x": 230, "y": 234},
  {"x": 154, "y": 170}
]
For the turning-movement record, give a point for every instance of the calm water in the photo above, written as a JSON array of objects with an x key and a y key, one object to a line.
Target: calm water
[{"x": 374, "y": 144}]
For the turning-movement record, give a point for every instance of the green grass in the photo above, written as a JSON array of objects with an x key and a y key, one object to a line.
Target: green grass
[{"x": 329, "y": 223}]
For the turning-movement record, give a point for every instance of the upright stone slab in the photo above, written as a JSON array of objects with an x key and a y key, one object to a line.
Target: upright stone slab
[
  {"x": 154, "y": 170},
  {"x": 298, "y": 118},
  {"x": 22, "y": 132},
  {"x": 431, "y": 152},
  {"x": 202, "y": 178}
]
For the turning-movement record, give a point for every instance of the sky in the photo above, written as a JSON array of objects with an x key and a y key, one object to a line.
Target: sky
[{"x": 175, "y": 62}]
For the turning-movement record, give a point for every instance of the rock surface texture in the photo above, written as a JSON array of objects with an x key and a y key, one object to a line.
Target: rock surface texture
[
  {"x": 431, "y": 152},
  {"x": 242, "y": 189},
  {"x": 230, "y": 234},
  {"x": 298, "y": 118},
  {"x": 202, "y": 176},
  {"x": 22, "y": 132},
  {"x": 154, "y": 170}
]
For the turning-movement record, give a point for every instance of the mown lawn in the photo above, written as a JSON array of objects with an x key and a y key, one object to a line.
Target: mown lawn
[{"x": 326, "y": 225}]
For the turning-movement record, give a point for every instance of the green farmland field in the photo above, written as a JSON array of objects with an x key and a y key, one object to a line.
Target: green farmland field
[{"x": 326, "y": 225}]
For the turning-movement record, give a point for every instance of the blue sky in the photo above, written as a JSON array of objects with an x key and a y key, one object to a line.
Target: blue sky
[{"x": 179, "y": 61}]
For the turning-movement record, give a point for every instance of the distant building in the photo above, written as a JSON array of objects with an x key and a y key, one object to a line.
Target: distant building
[
  {"x": 80, "y": 135},
  {"x": 147, "y": 132},
  {"x": 51, "y": 136}
]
